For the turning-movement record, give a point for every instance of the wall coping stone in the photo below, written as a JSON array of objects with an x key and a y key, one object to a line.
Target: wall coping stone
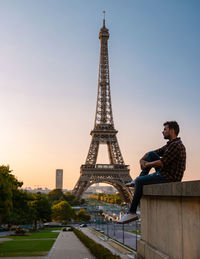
[{"x": 190, "y": 188}]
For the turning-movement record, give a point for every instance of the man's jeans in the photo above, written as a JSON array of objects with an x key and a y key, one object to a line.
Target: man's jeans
[{"x": 145, "y": 179}]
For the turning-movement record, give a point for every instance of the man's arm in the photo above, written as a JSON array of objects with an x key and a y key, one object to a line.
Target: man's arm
[
  {"x": 157, "y": 163},
  {"x": 143, "y": 161}
]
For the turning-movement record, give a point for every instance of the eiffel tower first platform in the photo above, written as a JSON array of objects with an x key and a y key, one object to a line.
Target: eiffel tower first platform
[{"x": 116, "y": 173}]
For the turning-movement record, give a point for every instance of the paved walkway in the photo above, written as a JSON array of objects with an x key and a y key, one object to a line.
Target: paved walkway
[
  {"x": 68, "y": 246},
  {"x": 6, "y": 233}
]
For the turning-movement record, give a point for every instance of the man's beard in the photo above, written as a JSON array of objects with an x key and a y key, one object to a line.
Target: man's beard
[{"x": 166, "y": 137}]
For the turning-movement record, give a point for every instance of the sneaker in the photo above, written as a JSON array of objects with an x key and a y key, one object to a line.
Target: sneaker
[
  {"x": 128, "y": 217},
  {"x": 131, "y": 184}
]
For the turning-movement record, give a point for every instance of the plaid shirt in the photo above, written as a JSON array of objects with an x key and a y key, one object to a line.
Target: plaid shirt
[{"x": 173, "y": 157}]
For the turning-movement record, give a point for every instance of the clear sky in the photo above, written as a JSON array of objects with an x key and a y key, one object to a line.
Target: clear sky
[{"x": 49, "y": 55}]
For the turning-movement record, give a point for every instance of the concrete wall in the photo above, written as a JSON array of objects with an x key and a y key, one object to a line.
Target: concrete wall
[{"x": 170, "y": 221}]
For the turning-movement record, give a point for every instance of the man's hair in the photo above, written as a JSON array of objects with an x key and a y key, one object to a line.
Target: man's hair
[{"x": 172, "y": 125}]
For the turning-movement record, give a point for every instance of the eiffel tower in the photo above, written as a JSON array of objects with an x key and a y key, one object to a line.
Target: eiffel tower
[{"x": 116, "y": 173}]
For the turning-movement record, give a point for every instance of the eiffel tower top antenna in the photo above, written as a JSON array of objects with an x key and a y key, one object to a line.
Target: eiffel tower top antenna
[{"x": 104, "y": 15}]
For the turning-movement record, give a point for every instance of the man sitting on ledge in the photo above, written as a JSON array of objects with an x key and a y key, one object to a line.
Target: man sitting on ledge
[{"x": 168, "y": 161}]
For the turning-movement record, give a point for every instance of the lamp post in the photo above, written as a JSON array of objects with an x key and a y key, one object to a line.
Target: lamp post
[
  {"x": 123, "y": 232},
  {"x": 136, "y": 236}
]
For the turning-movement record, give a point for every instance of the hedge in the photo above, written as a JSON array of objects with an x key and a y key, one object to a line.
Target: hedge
[{"x": 96, "y": 249}]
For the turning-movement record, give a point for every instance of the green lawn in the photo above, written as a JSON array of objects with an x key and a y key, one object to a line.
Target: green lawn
[
  {"x": 45, "y": 233},
  {"x": 26, "y": 246}
]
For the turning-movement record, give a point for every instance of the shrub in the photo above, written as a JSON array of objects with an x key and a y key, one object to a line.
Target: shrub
[
  {"x": 20, "y": 232},
  {"x": 96, "y": 249}
]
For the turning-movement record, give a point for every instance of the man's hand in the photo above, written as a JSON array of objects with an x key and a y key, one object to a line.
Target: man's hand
[
  {"x": 147, "y": 164},
  {"x": 143, "y": 161},
  {"x": 157, "y": 163},
  {"x": 143, "y": 164}
]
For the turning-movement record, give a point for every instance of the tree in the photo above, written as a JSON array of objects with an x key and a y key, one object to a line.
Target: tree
[
  {"x": 72, "y": 200},
  {"x": 56, "y": 195},
  {"x": 8, "y": 184},
  {"x": 83, "y": 216},
  {"x": 41, "y": 208},
  {"x": 62, "y": 212},
  {"x": 21, "y": 213}
]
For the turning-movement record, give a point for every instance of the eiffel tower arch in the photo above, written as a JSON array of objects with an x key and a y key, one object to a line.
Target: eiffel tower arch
[{"x": 116, "y": 173}]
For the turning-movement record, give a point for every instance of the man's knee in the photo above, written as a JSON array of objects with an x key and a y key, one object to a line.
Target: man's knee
[
  {"x": 152, "y": 156},
  {"x": 138, "y": 180}
]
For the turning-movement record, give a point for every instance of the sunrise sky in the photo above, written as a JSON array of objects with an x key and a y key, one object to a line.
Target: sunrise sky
[{"x": 49, "y": 55}]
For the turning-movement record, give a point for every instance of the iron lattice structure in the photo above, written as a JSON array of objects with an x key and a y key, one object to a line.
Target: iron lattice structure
[{"x": 116, "y": 173}]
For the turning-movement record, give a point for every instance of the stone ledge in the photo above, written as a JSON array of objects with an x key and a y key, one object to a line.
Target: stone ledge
[
  {"x": 147, "y": 251},
  {"x": 191, "y": 188}
]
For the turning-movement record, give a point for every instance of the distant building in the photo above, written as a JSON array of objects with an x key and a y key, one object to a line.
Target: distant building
[
  {"x": 36, "y": 190},
  {"x": 59, "y": 178}
]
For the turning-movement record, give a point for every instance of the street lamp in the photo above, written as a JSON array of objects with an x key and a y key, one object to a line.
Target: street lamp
[
  {"x": 136, "y": 235},
  {"x": 123, "y": 232}
]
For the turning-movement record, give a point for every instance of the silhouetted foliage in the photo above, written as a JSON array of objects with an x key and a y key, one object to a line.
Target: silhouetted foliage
[
  {"x": 21, "y": 213},
  {"x": 8, "y": 185}
]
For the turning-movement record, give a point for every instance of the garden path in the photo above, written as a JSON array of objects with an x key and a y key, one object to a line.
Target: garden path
[{"x": 68, "y": 246}]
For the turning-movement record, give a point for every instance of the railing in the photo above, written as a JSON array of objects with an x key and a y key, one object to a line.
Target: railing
[{"x": 127, "y": 234}]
